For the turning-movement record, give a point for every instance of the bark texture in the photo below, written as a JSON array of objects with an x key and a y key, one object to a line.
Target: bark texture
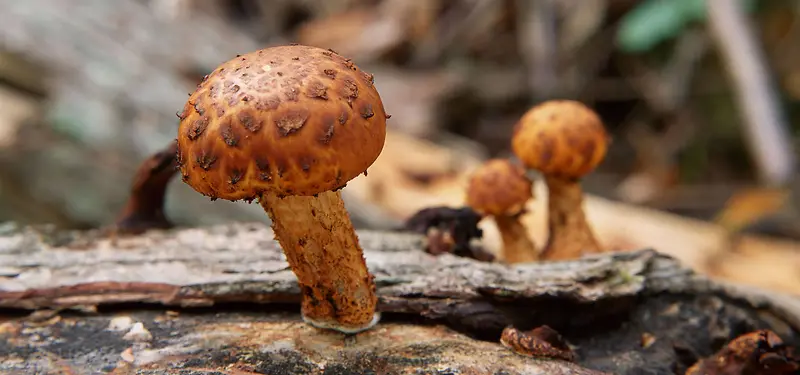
[{"x": 236, "y": 308}]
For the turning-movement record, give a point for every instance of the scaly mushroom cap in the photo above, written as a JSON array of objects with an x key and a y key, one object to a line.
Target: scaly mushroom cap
[
  {"x": 499, "y": 188},
  {"x": 292, "y": 120},
  {"x": 561, "y": 138}
]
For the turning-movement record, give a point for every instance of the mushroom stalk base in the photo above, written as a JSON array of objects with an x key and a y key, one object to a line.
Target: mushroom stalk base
[
  {"x": 570, "y": 233},
  {"x": 322, "y": 249},
  {"x": 517, "y": 244}
]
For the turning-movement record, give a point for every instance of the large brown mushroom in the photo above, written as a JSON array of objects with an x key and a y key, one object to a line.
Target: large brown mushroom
[
  {"x": 500, "y": 189},
  {"x": 564, "y": 140},
  {"x": 290, "y": 126}
]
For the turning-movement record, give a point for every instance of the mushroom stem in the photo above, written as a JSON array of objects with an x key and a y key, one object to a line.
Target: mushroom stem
[
  {"x": 517, "y": 244},
  {"x": 322, "y": 248},
  {"x": 570, "y": 234}
]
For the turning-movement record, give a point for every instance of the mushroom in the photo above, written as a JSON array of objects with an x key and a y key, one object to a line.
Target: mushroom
[
  {"x": 564, "y": 140},
  {"x": 500, "y": 189},
  {"x": 289, "y": 126}
]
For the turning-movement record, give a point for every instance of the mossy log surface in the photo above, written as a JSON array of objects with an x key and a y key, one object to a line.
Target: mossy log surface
[{"x": 222, "y": 300}]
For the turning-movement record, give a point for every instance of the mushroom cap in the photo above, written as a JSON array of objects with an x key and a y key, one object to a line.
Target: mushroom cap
[
  {"x": 290, "y": 120},
  {"x": 499, "y": 188},
  {"x": 561, "y": 138}
]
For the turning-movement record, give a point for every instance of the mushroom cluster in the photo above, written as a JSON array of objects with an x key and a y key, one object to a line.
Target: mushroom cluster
[
  {"x": 289, "y": 126},
  {"x": 564, "y": 140},
  {"x": 501, "y": 189}
]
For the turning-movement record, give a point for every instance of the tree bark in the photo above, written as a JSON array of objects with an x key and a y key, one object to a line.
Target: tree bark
[{"x": 236, "y": 308}]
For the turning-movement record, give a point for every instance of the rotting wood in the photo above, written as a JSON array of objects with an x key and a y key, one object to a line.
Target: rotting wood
[
  {"x": 270, "y": 343},
  {"x": 603, "y": 305}
]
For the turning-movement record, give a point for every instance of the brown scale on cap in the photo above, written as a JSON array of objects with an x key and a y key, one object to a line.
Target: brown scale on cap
[
  {"x": 290, "y": 126},
  {"x": 500, "y": 189},
  {"x": 564, "y": 140},
  {"x": 293, "y": 120}
]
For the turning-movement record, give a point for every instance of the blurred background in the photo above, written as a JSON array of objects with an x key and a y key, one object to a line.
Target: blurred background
[{"x": 702, "y": 99}]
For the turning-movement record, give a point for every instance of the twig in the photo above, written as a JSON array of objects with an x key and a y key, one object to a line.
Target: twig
[
  {"x": 765, "y": 126},
  {"x": 585, "y": 45},
  {"x": 145, "y": 206},
  {"x": 539, "y": 46},
  {"x": 665, "y": 92},
  {"x": 454, "y": 25}
]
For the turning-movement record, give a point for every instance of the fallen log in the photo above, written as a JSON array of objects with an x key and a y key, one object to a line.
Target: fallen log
[{"x": 222, "y": 300}]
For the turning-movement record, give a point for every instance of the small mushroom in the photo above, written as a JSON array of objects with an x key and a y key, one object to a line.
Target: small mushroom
[
  {"x": 290, "y": 126},
  {"x": 500, "y": 189},
  {"x": 564, "y": 140}
]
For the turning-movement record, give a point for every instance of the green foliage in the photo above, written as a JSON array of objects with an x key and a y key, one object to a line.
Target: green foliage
[{"x": 656, "y": 21}]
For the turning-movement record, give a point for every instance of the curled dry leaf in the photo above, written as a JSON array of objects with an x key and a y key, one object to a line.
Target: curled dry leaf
[
  {"x": 450, "y": 230},
  {"x": 760, "y": 352},
  {"x": 539, "y": 342}
]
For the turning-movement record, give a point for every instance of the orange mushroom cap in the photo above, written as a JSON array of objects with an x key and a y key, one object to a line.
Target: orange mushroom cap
[
  {"x": 562, "y": 138},
  {"x": 499, "y": 188},
  {"x": 291, "y": 120}
]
